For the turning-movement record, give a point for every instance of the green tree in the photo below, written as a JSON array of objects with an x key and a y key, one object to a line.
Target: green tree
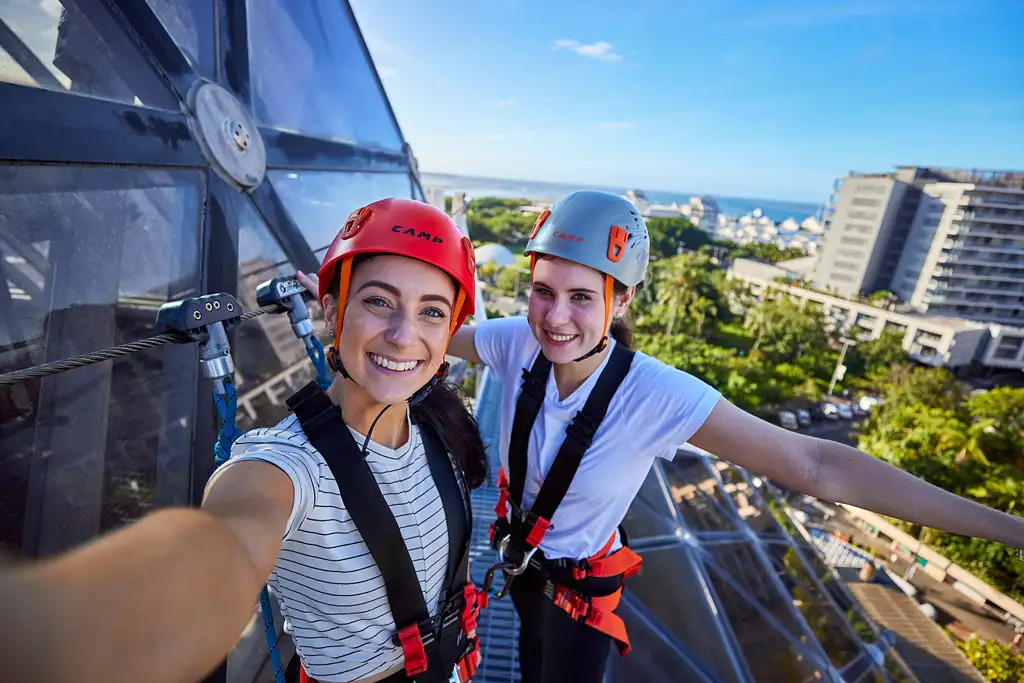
[
  {"x": 668, "y": 235},
  {"x": 784, "y": 331},
  {"x": 999, "y": 419},
  {"x": 767, "y": 253},
  {"x": 685, "y": 294},
  {"x": 996, "y": 662},
  {"x": 872, "y": 360}
]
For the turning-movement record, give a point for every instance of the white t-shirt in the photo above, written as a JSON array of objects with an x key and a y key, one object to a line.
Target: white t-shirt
[
  {"x": 331, "y": 592},
  {"x": 655, "y": 410}
]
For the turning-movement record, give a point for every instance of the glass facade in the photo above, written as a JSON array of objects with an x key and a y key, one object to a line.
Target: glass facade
[{"x": 109, "y": 208}]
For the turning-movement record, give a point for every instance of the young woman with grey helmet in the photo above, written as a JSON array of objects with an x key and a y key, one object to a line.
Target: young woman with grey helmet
[{"x": 583, "y": 417}]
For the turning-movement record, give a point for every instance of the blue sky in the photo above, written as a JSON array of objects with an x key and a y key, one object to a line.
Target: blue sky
[{"x": 757, "y": 99}]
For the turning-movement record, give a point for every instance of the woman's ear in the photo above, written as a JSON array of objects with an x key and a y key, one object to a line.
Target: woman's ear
[
  {"x": 622, "y": 302},
  {"x": 330, "y": 306}
]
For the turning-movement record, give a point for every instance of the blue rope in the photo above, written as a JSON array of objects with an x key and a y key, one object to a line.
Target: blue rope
[
  {"x": 227, "y": 405},
  {"x": 315, "y": 351}
]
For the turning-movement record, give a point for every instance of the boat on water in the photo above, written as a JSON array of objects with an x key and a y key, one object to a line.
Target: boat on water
[{"x": 155, "y": 152}]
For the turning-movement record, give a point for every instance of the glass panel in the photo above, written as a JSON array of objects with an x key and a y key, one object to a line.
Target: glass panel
[
  {"x": 675, "y": 593},
  {"x": 320, "y": 202},
  {"x": 643, "y": 522},
  {"x": 310, "y": 74},
  {"x": 697, "y": 495},
  {"x": 656, "y": 656},
  {"x": 76, "y": 47},
  {"x": 825, "y": 623},
  {"x": 270, "y": 361},
  {"x": 769, "y": 654},
  {"x": 652, "y": 493},
  {"x": 748, "y": 502},
  {"x": 87, "y": 255},
  {"x": 191, "y": 24}
]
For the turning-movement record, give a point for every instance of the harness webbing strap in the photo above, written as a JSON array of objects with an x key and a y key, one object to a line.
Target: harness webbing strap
[
  {"x": 322, "y": 422},
  {"x": 528, "y": 406},
  {"x": 578, "y": 437},
  {"x": 327, "y": 432}
]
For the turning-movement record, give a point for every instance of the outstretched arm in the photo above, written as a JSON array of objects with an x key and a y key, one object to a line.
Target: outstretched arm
[
  {"x": 836, "y": 472},
  {"x": 161, "y": 601}
]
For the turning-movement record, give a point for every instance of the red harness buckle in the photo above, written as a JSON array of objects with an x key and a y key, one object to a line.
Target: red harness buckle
[
  {"x": 471, "y": 608},
  {"x": 412, "y": 648},
  {"x": 572, "y": 603},
  {"x": 466, "y": 667},
  {"x": 540, "y": 527}
]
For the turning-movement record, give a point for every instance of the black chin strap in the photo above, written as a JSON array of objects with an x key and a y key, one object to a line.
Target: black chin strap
[{"x": 601, "y": 346}]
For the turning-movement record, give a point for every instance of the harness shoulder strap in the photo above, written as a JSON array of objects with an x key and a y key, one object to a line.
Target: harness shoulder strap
[
  {"x": 579, "y": 435},
  {"x": 528, "y": 406},
  {"x": 326, "y": 430},
  {"x": 457, "y": 513}
]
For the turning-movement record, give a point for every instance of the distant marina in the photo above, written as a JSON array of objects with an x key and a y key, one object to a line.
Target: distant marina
[
  {"x": 737, "y": 219},
  {"x": 733, "y": 207}
]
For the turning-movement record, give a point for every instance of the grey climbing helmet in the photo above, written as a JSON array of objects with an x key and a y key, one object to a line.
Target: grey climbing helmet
[{"x": 597, "y": 229}]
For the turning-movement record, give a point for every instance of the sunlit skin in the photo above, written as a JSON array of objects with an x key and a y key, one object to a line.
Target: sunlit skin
[
  {"x": 399, "y": 311},
  {"x": 567, "y": 317}
]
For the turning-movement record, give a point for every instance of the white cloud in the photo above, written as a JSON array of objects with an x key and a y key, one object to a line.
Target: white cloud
[
  {"x": 508, "y": 102},
  {"x": 616, "y": 125},
  {"x": 386, "y": 71},
  {"x": 546, "y": 100},
  {"x": 600, "y": 50}
]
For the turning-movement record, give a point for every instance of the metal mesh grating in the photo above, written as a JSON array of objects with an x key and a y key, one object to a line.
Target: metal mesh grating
[{"x": 498, "y": 626}]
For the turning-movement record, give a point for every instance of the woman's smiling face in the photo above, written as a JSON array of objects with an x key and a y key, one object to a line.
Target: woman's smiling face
[{"x": 396, "y": 326}]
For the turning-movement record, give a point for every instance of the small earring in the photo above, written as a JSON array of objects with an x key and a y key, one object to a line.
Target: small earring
[{"x": 332, "y": 334}]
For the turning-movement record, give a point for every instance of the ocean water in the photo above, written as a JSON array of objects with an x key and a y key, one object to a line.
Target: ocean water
[{"x": 733, "y": 207}]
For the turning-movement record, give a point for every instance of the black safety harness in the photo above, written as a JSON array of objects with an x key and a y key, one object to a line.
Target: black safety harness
[
  {"x": 435, "y": 648},
  {"x": 587, "y": 589}
]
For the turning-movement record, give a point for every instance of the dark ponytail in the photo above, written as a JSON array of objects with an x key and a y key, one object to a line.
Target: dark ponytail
[{"x": 445, "y": 410}]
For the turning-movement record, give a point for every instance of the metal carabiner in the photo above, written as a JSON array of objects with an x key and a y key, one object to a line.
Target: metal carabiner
[{"x": 510, "y": 569}]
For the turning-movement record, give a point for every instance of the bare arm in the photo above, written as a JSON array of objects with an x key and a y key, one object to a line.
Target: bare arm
[
  {"x": 160, "y": 601},
  {"x": 835, "y": 472},
  {"x": 463, "y": 346}
]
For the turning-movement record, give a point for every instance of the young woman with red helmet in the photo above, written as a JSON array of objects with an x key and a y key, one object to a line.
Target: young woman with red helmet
[
  {"x": 583, "y": 417},
  {"x": 355, "y": 506}
]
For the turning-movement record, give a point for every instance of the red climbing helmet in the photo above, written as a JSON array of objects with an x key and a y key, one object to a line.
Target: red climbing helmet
[{"x": 404, "y": 227}]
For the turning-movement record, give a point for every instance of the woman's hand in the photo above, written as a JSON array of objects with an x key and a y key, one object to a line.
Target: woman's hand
[{"x": 311, "y": 283}]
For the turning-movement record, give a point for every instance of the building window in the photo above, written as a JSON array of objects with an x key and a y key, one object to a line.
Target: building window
[
  {"x": 838, "y": 277},
  {"x": 861, "y": 201},
  {"x": 871, "y": 189},
  {"x": 864, "y": 215},
  {"x": 849, "y": 239},
  {"x": 846, "y": 265}
]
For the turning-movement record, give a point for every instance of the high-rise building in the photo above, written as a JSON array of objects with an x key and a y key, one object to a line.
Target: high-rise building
[{"x": 948, "y": 242}]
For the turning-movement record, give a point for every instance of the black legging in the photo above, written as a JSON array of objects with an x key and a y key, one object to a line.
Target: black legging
[{"x": 552, "y": 647}]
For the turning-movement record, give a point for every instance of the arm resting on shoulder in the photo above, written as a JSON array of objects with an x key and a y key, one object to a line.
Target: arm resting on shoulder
[
  {"x": 463, "y": 346},
  {"x": 162, "y": 600},
  {"x": 835, "y": 472}
]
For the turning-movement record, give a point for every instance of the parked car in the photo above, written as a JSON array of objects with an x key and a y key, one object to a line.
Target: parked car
[
  {"x": 844, "y": 411},
  {"x": 803, "y": 417},
  {"x": 830, "y": 411},
  {"x": 787, "y": 419}
]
